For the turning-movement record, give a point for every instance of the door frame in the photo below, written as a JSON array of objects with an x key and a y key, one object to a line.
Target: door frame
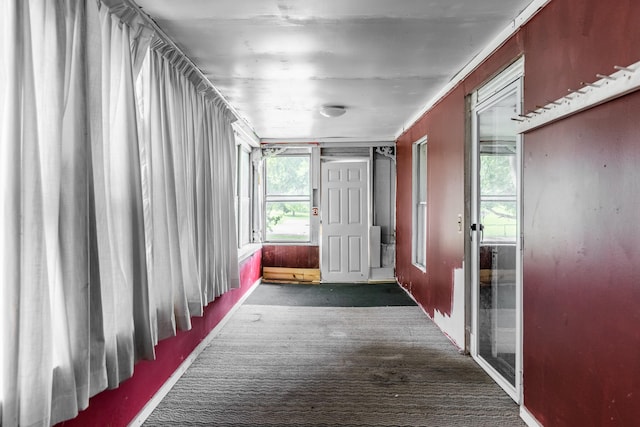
[
  {"x": 368, "y": 204},
  {"x": 503, "y": 85}
]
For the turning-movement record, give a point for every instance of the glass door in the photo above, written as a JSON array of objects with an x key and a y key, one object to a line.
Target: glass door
[{"x": 494, "y": 234}]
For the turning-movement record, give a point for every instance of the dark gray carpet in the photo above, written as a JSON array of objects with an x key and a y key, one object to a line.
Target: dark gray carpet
[
  {"x": 333, "y": 366},
  {"x": 331, "y": 295}
]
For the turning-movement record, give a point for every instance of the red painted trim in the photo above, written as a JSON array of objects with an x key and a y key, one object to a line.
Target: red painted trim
[{"x": 120, "y": 406}]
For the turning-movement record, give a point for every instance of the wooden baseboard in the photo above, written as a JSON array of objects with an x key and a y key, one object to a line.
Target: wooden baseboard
[{"x": 291, "y": 275}]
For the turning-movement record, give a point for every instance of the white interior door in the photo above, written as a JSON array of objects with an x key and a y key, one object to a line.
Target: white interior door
[{"x": 344, "y": 248}]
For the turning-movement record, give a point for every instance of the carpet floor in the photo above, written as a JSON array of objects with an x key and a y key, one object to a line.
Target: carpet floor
[{"x": 274, "y": 365}]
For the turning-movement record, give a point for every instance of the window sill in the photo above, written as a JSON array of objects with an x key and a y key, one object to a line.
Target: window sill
[
  {"x": 247, "y": 250},
  {"x": 420, "y": 267},
  {"x": 289, "y": 244}
]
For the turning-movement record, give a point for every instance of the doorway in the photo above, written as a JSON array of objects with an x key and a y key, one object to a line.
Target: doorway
[
  {"x": 344, "y": 248},
  {"x": 495, "y": 232}
]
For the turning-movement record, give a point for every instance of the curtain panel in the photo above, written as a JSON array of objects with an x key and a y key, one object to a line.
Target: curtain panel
[{"x": 116, "y": 190}]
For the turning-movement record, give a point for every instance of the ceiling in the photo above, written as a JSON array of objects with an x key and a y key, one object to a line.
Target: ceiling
[{"x": 278, "y": 61}]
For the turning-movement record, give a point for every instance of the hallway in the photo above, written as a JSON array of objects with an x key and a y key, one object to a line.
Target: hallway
[
  {"x": 159, "y": 159},
  {"x": 333, "y": 355}
]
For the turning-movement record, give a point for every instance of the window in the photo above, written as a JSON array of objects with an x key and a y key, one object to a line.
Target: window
[
  {"x": 287, "y": 198},
  {"x": 419, "y": 205},
  {"x": 243, "y": 195}
]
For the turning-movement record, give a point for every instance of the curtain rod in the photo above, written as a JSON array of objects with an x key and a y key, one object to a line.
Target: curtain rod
[{"x": 149, "y": 21}]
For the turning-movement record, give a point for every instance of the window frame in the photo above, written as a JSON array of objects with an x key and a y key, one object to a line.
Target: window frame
[
  {"x": 275, "y": 198},
  {"x": 247, "y": 182},
  {"x": 419, "y": 199}
]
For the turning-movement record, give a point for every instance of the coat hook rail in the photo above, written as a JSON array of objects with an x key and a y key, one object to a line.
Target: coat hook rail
[
  {"x": 623, "y": 81},
  {"x": 630, "y": 70},
  {"x": 602, "y": 76}
]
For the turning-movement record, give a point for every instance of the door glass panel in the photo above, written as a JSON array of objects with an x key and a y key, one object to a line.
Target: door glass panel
[
  {"x": 497, "y": 341},
  {"x": 498, "y": 220}
]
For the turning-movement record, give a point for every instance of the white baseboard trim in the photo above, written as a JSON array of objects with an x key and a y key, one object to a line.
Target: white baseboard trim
[
  {"x": 166, "y": 387},
  {"x": 528, "y": 417}
]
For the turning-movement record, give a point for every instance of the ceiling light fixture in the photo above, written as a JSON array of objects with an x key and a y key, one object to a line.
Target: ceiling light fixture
[{"x": 333, "y": 110}]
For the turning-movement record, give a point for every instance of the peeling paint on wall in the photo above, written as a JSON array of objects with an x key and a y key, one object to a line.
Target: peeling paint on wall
[{"x": 453, "y": 325}]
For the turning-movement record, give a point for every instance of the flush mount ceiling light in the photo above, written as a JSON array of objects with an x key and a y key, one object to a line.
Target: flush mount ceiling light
[{"x": 333, "y": 110}]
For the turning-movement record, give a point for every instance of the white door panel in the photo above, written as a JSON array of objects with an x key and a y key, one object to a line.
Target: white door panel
[{"x": 345, "y": 222}]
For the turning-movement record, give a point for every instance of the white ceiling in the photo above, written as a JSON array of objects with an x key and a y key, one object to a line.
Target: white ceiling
[{"x": 278, "y": 61}]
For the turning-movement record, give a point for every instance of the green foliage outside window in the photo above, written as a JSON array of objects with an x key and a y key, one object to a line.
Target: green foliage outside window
[
  {"x": 288, "y": 198},
  {"x": 498, "y": 190},
  {"x": 288, "y": 176}
]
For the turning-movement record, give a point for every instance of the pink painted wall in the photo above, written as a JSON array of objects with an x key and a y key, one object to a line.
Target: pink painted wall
[
  {"x": 581, "y": 202},
  {"x": 118, "y": 407}
]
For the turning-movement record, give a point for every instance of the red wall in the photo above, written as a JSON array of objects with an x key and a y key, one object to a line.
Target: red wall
[
  {"x": 118, "y": 407},
  {"x": 290, "y": 256},
  {"x": 582, "y": 270},
  {"x": 581, "y": 211},
  {"x": 445, "y": 126},
  {"x": 445, "y": 157},
  {"x": 581, "y": 204}
]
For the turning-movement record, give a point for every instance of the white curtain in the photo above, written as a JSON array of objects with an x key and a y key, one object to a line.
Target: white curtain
[
  {"x": 117, "y": 205},
  {"x": 188, "y": 144}
]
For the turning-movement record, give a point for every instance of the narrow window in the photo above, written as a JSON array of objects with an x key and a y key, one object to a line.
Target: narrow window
[
  {"x": 243, "y": 196},
  {"x": 419, "y": 231}
]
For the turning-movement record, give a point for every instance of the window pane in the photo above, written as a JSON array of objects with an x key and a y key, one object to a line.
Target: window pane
[
  {"x": 243, "y": 197},
  {"x": 498, "y": 174},
  {"x": 422, "y": 172},
  {"x": 499, "y": 221},
  {"x": 287, "y": 175},
  {"x": 243, "y": 173},
  {"x": 421, "y": 243},
  {"x": 287, "y": 221},
  {"x": 244, "y": 220}
]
